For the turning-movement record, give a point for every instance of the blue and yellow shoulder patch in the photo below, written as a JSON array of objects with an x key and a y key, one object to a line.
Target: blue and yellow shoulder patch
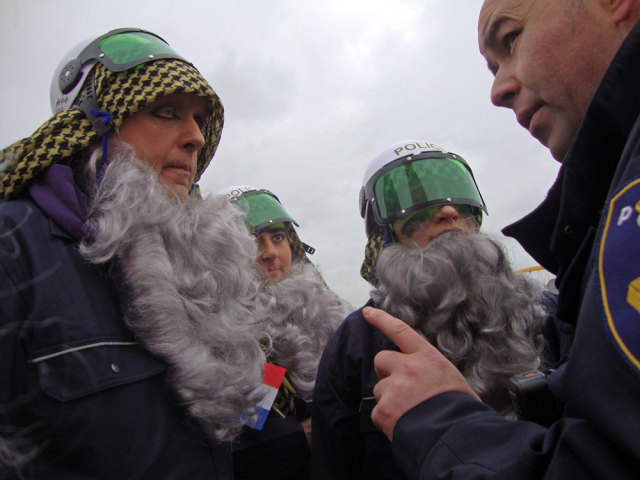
[{"x": 619, "y": 270}]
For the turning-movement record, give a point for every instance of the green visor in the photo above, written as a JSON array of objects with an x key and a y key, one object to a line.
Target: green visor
[
  {"x": 415, "y": 182},
  {"x": 118, "y": 50},
  {"x": 262, "y": 209}
]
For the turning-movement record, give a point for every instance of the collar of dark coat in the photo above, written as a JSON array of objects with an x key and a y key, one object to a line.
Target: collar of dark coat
[{"x": 554, "y": 232}]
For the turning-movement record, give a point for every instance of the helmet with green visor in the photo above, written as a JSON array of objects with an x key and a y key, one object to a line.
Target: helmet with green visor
[
  {"x": 260, "y": 206},
  {"x": 413, "y": 175},
  {"x": 118, "y": 50},
  {"x": 263, "y": 209},
  {"x": 412, "y": 178},
  {"x": 98, "y": 85}
]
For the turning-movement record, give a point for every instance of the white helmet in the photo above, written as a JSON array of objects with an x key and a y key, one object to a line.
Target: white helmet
[
  {"x": 118, "y": 50},
  {"x": 411, "y": 175}
]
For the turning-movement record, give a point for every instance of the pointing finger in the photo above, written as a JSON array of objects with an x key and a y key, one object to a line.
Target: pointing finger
[{"x": 405, "y": 337}]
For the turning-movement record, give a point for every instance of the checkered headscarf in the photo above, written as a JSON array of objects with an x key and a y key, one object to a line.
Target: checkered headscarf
[
  {"x": 375, "y": 245},
  {"x": 298, "y": 252},
  {"x": 66, "y": 137}
]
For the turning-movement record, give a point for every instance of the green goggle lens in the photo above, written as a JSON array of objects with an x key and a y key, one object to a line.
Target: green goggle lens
[
  {"x": 261, "y": 210},
  {"x": 422, "y": 182},
  {"x": 125, "y": 49}
]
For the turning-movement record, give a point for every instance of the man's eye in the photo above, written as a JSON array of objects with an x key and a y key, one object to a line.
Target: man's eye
[
  {"x": 278, "y": 237},
  {"x": 509, "y": 39}
]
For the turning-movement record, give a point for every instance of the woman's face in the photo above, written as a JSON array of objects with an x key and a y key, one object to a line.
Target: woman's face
[
  {"x": 166, "y": 135},
  {"x": 274, "y": 253}
]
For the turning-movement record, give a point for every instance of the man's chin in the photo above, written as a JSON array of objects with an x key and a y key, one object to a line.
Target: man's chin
[{"x": 558, "y": 145}]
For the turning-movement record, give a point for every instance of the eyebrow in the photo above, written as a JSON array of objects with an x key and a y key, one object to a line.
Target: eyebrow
[
  {"x": 489, "y": 40},
  {"x": 272, "y": 230}
]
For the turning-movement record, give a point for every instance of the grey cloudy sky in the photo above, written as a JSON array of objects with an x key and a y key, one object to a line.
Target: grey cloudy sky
[{"x": 312, "y": 92}]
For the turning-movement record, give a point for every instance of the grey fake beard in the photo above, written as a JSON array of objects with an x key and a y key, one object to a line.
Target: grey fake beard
[
  {"x": 302, "y": 314},
  {"x": 461, "y": 294},
  {"x": 187, "y": 285}
]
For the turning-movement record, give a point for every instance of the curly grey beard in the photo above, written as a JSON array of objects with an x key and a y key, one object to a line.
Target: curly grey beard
[
  {"x": 302, "y": 314},
  {"x": 461, "y": 294},
  {"x": 186, "y": 279}
]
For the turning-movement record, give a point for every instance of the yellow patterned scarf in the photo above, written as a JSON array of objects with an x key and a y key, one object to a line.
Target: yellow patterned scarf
[
  {"x": 67, "y": 136},
  {"x": 298, "y": 252},
  {"x": 372, "y": 251}
]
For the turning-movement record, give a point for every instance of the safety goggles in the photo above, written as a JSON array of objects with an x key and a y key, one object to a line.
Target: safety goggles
[
  {"x": 261, "y": 209},
  {"x": 118, "y": 50},
  {"x": 416, "y": 182}
]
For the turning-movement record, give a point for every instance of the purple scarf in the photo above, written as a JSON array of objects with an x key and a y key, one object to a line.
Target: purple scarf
[{"x": 55, "y": 192}]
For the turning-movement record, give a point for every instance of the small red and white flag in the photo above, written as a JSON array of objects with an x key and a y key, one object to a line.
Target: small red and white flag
[{"x": 271, "y": 380}]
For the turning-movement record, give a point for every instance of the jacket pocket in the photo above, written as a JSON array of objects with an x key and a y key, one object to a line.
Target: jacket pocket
[{"x": 78, "y": 371}]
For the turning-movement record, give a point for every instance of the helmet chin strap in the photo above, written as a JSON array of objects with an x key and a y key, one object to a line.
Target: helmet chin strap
[
  {"x": 104, "y": 118},
  {"x": 388, "y": 236}
]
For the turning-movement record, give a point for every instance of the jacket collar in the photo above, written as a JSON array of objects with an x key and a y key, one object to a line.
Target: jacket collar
[{"x": 554, "y": 231}]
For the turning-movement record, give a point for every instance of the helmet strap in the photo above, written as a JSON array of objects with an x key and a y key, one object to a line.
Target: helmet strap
[
  {"x": 88, "y": 104},
  {"x": 104, "y": 118},
  {"x": 388, "y": 236}
]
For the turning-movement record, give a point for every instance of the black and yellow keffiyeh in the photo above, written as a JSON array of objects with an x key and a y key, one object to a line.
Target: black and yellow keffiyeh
[
  {"x": 298, "y": 251},
  {"x": 67, "y": 136},
  {"x": 375, "y": 245}
]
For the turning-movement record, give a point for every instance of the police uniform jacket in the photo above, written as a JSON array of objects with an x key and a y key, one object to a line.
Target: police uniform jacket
[
  {"x": 345, "y": 443},
  {"x": 588, "y": 232},
  {"x": 79, "y": 397}
]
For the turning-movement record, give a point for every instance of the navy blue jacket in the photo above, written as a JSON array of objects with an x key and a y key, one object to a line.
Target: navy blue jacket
[
  {"x": 279, "y": 451},
  {"x": 588, "y": 232},
  {"x": 345, "y": 443},
  {"x": 75, "y": 387}
]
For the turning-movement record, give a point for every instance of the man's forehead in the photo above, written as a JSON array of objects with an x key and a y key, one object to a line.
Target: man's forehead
[
  {"x": 493, "y": 15},
  {"x": 495, "y": 12}
]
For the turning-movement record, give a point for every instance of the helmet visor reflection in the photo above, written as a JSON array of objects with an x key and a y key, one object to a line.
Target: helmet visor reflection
[
  {"x": 262, "y": 210},
  {"x": 123, "y": 49},
  {"x": 416, "y": 183}
]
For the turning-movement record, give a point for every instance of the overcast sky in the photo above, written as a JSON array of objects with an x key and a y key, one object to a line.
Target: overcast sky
[{"x": 312, "y": 92}]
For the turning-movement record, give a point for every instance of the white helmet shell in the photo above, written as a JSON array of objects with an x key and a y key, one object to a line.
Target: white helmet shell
[
  {"x": 465, "y": 189},
  {"x": 396, "y": 151},
  {"x": 236, "y": 191},
  {"x": 63, "y": 101}
]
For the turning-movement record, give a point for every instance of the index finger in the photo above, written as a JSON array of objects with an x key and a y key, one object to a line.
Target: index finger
[{"x": 405, "y": 337}]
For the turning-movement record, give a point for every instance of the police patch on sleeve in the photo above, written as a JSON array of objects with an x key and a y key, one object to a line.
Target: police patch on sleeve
[{"x": 619, "y": 270}]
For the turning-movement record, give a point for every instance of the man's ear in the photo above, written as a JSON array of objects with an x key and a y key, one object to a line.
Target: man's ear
[{"x": 620, "y": 10}]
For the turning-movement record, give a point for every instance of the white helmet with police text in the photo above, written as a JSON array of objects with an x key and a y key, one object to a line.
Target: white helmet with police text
[{"x": 412, "y": 175}]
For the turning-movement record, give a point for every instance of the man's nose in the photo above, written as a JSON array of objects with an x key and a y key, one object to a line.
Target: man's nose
[
  {"x": 504, "y": 89},
  {"x": 446, "y": 214}
]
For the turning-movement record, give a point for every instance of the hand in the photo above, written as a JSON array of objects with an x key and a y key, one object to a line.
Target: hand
[{"x": 411, "y": 377}]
